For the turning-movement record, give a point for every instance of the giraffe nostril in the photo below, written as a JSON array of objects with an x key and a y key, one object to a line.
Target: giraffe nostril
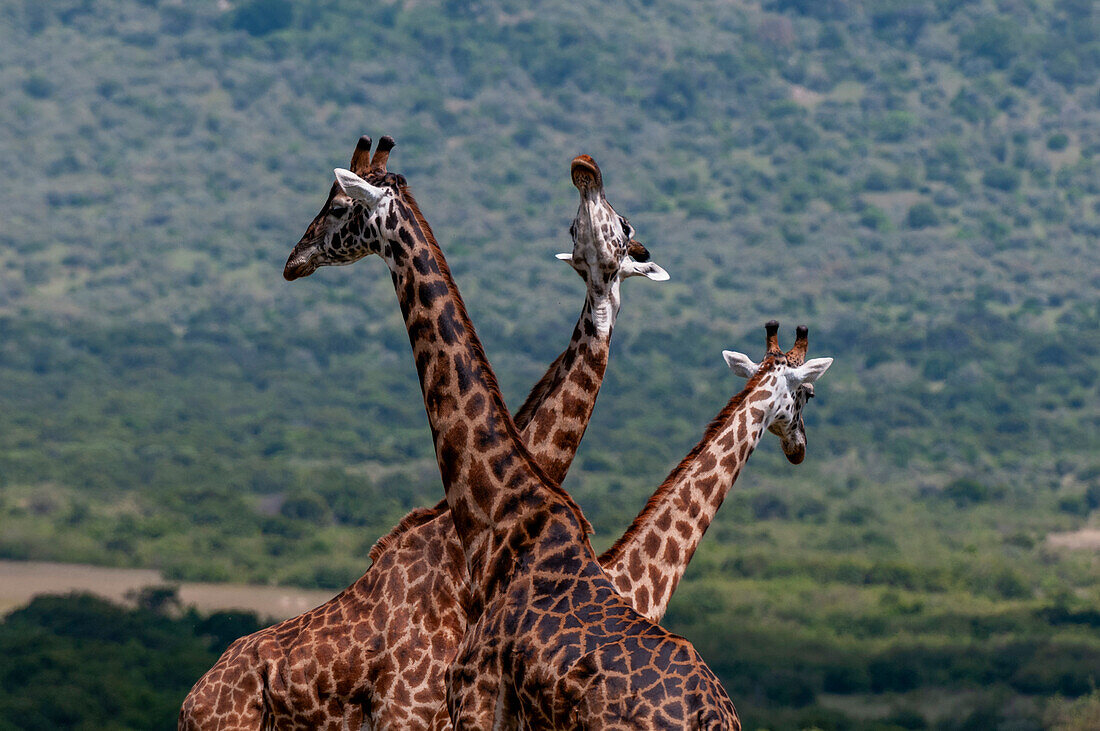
[{"x": 300, "y": 264}]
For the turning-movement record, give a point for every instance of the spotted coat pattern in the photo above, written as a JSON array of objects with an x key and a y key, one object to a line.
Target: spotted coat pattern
[
  {"x": 541, "y": 608},
  {"x": 375, "y": 654},
  {"x": 649, "y": 560},
  {"x": 551, "y": 644}
]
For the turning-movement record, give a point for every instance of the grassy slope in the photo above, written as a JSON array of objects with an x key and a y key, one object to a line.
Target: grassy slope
[{"x": 894, "y": 175}]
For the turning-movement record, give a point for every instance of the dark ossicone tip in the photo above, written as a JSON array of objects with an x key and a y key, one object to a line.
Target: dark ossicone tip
[
  {"x": 636, "y": 251},
  {"x": 771, "y": 347},
  {"x": 382, "y": 153},
  {"x": 364, "y": 143},
  {"x": 801, "y": 332}
]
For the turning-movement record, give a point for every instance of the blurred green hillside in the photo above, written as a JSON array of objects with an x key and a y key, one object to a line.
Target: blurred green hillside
[{"x": 914, "y": 180}]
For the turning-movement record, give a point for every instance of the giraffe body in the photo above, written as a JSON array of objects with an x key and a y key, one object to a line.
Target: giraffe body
[
  {"x": 602, "y": 669},
  {"x": 533, "y": 573},
  {"x": 647, "y": 589},
  {"x": 344, "y": 664},
  {"x": 562, "y": 649},
  {"x": 523, "y": 538},
  {"x": 345, "y": 660}
]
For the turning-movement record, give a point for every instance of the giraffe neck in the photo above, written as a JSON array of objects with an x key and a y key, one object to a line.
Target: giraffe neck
[
  {"x": 494, "y": 489},
  {"x": 648, "y": 561},
  {"x": 556, "y": 413}
]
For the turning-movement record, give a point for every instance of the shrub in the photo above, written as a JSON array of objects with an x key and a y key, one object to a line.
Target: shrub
[
  {"x": 878, "y": 181},
  {"x": 38, "y": 86},
  {"x": 1001, "y": 177},
  {"x": 971, "y": 106},
  {"x": 875, "y": 219},
  {"x": 305, "y": 506},
  {"x": 260, "y": 17},
  {"x": 965, "y": 492},
  {"x": 1058, "y": 141},
  {"x": 855, "y": 515},
  {"x": 846, "y": 679},
  {"x": 895, "y": 127},
  {"x": 993, "y": 38},
  {"x": 766, "y": 507},
  {"x": 892, "y": 674},
  {"x": 922, "y": 215}
]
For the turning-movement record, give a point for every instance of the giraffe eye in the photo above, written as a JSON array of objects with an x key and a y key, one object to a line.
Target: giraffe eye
[
  {"x": 337, "y": 209},
  {"x": 627, "y": 228},
  {"x": 809, "y": 388}
]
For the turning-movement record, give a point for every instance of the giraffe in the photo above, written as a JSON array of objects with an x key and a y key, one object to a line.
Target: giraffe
[
  {"x": 551, "y": 644},
  {"x": 373, "y": 656},
  {"x": 650, "y": 558}
]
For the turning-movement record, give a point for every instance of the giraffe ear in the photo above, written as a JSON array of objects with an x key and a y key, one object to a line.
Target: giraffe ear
[
  {"x": 809, "y": 371},
  {"x": 358, "y": 189},
  {"x": 648, "y": 269},
  {"x": 740, "y": 363}
]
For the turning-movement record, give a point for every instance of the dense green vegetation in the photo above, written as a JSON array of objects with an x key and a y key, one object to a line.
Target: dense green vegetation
[
  {"x": 77, "y": 661},
  {"x": 914, "y": 180}
]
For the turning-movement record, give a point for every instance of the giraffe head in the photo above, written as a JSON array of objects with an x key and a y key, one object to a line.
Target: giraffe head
[
  {"x": 789, "y": 380},
  {"x": 604, "y": 250},
  {"x": 356, "y": 219}
]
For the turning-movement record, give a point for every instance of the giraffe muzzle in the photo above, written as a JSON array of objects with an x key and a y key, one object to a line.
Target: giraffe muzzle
[
  {"x": 301, "y": 263},
  {"x": 586, "y": 173},
  {"x": 796, "y": 455}
]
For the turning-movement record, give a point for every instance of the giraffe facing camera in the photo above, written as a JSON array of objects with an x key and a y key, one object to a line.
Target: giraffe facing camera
[{"x": 789, "y": 380}]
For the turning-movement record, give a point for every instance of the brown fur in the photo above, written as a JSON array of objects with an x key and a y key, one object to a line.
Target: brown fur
[
  {"x": 645, "y": 518},
  {"x": 388, "y": 684}
]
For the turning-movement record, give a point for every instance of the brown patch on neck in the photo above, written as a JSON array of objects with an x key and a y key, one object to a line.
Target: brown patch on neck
[
  {"x": 478, "y": 352},
  {"x": 416, "y": 518}
]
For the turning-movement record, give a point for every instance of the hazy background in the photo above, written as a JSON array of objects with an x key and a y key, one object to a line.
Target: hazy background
[{"x": 913, "y": 179}]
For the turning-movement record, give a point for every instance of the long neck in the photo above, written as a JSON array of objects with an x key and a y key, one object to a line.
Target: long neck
[
  {"x": 648, "y": 561},
  {"x": 495, "y": 491},
  {"x": 553, "y": 419}
]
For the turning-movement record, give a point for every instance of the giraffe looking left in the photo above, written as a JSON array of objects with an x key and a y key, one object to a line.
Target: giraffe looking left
[
  {"x": 551, "y": 644},
  {"x": 374, "y": 655}
]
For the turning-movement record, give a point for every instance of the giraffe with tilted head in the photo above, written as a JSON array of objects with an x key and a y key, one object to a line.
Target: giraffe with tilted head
[
  {"x": 374, "y": 656},
  {"x": 649, "y": 560},
  {"x": 550, "y": 643}
]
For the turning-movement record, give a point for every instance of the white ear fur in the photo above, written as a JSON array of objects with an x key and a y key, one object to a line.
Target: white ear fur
[
  {"x": 809, "y": 371},
  {"x": 740, "y": 363},
  {"x": 357, "y": 188},
  {"x": 648, "y": 269},
  {"x": 564, "y": 256},
  {"x": 653, "y": 271}
]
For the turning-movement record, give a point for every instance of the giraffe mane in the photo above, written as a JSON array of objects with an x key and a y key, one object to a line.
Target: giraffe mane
[
  {"x": 479, "y": 352},
  {"x": 413, "y": 519},
  {"x": 716, "y": 424},
  {"x": 538, "y": 393}
]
